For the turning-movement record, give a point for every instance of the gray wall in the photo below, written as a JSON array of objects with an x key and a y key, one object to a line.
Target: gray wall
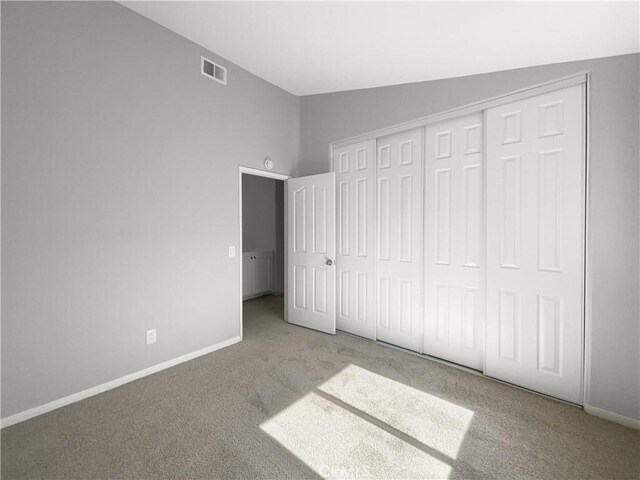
[
  {"x": 119, "y": 194},
  {"x": 263, "y": 220},
  {"x": 614, "y": 202}
]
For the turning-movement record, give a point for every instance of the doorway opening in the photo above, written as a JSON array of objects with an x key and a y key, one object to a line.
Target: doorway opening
[{"x": 262, "y": 243}]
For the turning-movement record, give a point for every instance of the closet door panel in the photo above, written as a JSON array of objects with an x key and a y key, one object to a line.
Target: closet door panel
[
  {"x": 454, "y": 250},
  {"x": 535, "y": 242},
  {"x": 399, "y": 239},
  {"x": 355, "y": 176}
]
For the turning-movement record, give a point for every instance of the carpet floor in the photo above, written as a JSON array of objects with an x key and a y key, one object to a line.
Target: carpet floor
[{"x": 288, "y": 402}]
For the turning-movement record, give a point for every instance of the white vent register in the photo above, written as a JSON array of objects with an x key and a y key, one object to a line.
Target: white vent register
[{"x": 213, "y": 71}]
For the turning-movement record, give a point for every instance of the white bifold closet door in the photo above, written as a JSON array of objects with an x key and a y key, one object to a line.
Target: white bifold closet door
[
  {"x": 454, "y": 250},
  {"x": 355, "y": 175},
  {"x": 535, "y": 242},
  {"x": 398, "y": 239}
]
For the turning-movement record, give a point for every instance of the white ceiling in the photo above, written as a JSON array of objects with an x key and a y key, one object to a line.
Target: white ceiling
[{"x": 317, "y": 47}]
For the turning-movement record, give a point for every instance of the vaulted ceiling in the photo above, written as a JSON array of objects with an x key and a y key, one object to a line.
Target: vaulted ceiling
[{"x": 316, "y": 47}]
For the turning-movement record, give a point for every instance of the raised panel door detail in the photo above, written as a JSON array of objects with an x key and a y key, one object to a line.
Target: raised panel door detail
[
  {"x": 405, "y": 302},
  {"x": 551, "y": 118},
  {"x": 469, "y": 310},
  {"x": 300, "y": 287},
  {"x": 549, "y": 192},
  {"x": 384, "y": 304},
  {"x": 344, "y": 220},
  {"x": 549, "y": 328},
  {"x": 443, "y": 310},
  {"x": 383, "y": 236},
  {"x": 509, "y": 319},
  {"x": 443, "y": 216},
  {"x": 320, "y": 290},
  {"x": 384, "y": 156},
  {"x": 472, "y": 139},
  {"x": 472, "y": 215},
  {"x": 345, "y": 285},
  {"x": 361, "y": 215},
  {"x": 510, "y": 207},
  {"x": 406, "y": 152},
  {"x": 406, "y": 217},
  {"x": 299, "y": 218},
  {"x": 443, "y": 145},
  {"x": 361, "y": 297},
  {"x": 344, "y": 162},
  {"x": 319, "y": 220},
  {"x": 512, "y": 127},
  {"x": 361, "y": 159}
]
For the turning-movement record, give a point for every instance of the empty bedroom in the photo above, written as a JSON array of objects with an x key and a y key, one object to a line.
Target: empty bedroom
[{"x": 309, "y": 239}]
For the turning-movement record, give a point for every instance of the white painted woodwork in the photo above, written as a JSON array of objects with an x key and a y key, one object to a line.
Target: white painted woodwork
[
  {"x": 535, "y": 242},
  {"x": 454, "y": 298},
  {"x": 355, "y": 266},
  {"x": 310, "y": 243},
  {"x": 257, "y": 273},
  {"x": 398, "y": 239}
]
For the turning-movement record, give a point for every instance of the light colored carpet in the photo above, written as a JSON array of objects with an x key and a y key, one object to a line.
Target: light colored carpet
[{"x": 289, "y": 402}]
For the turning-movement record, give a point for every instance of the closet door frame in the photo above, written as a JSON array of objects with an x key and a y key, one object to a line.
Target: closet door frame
[{"x": 579, "y": 78}]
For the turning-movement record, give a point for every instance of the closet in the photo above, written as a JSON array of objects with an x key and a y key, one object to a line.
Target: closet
[{"x": 462, "y": 236}]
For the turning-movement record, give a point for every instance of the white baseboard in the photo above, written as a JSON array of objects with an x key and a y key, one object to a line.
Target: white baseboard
[
  {"x": 90, "y": 392},
  {"x": 612, "y": 417}
]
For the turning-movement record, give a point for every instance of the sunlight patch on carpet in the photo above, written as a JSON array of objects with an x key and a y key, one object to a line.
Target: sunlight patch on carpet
[
  {"x": 435, "y": 422},
  {"x": 336, "y": 443}
]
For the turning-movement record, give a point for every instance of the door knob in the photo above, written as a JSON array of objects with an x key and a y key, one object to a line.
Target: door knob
[{"x": 329, "y": 262}]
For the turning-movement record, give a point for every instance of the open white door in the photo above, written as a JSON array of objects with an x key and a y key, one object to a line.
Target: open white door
[{"x": 311, "y": 252}]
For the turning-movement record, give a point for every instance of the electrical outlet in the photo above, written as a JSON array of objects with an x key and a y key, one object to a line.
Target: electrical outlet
[
  {"x": 152, "y": 336},
  {"x": 232, "y": 252}
]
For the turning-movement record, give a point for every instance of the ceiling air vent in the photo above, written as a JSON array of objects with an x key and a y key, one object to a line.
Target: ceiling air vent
[{"x": 213, "y": 71}]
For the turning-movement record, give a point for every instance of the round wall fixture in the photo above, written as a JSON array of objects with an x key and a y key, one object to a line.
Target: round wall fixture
[{"x": 268, "y": 163}]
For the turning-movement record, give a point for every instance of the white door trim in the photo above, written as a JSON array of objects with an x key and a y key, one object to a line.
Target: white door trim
[
  {"x": 258, "y": 173},
  {"x": 587, "y": 297}
]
